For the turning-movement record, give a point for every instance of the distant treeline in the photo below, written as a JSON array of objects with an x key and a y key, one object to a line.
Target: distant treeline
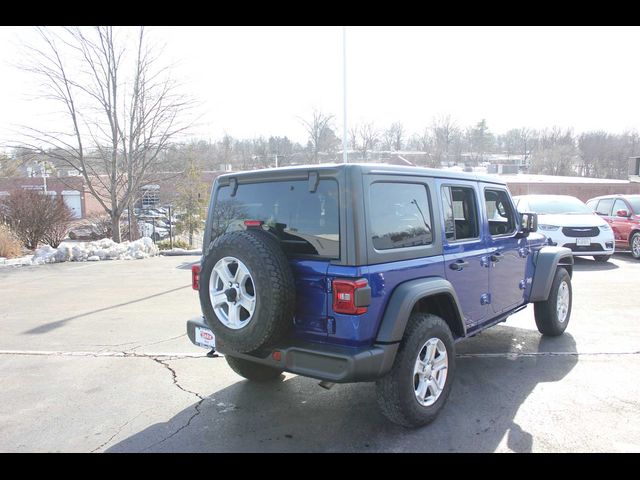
[{"x": 551, "y": 151}]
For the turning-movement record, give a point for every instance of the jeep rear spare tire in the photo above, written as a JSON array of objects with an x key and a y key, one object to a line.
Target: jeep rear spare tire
[{"x": 247, "y": 291}]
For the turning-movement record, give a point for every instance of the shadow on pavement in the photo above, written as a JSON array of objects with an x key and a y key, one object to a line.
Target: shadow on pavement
[
  {"x": 298, "y": 415},
  {"x": 47, "y": 327},
  {"x": 625, "y": 257},
  {"x": 588, "y": 264}
]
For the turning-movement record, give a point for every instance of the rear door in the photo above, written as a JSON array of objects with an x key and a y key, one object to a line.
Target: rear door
[
  {"x": 465, "y": 251},
  {"x": 507, "y": 253},
  {"x": 621, "y": 225},
  {"x": 305, "y": 218}
]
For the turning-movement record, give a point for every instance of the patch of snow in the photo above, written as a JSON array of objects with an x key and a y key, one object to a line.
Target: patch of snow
[
  {"x": 15, "y": 262},
  {"x": 105, "y": 249}
]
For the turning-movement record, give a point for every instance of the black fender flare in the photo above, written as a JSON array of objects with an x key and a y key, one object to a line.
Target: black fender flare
[
  {"x": 547, "y": 261},
  {"x": 406, "y": 296}
]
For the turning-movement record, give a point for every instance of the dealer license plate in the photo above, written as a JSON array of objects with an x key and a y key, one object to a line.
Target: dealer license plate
[
  {"x": 205, "y": 338},
  {"x": 583, "y": 242}
]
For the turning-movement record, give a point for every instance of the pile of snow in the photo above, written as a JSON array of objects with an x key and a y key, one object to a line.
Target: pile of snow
[
  {"x": 105, "y": 249},
  {"x": 15, "y": 262}
]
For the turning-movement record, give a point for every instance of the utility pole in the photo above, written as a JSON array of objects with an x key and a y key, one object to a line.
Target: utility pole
[
  {"x": 44, "y": 175},
  {"x": 344, "y": 89},
  {"x": 170, "y": 228}
]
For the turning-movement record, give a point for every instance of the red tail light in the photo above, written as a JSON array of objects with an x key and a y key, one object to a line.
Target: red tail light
[
  {"x": 195, "y": 277},
  {"x": 253, "y": 223},
  {"x": 351, "y": 296}
]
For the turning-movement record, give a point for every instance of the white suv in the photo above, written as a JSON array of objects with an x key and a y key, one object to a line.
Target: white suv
[{"x": 568, "y": 222}]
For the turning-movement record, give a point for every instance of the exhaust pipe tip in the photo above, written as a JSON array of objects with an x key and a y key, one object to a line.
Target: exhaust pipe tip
[{"x": 326, "y": 385}]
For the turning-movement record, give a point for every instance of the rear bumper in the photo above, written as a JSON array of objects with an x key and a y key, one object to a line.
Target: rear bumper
[{"x": 334, "y": 363}]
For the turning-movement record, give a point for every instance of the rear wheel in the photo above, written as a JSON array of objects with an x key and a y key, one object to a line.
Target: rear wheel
[
  {"x": 601, "y": 258},
  {"x": 253, "y": 371},
  {"x": 415, "y": 390},
  {"x": 552, "y": 315},
  {"x": 634, "y": 243}
]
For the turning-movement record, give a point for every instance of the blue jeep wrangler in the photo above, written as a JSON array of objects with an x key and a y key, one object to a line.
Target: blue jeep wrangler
[{"x": 361, "y": 273}]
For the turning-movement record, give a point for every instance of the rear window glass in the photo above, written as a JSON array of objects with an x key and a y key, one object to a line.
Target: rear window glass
[
  {"x": 400, "y": 215},
  {"x": 306, "y": 223}
]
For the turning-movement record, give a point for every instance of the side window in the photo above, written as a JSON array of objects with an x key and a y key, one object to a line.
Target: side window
[
  {"x": 499, "y": 212},
  {"x": 604, "y": 206},
  {"x": 619, "y": 205},
  {"x": 400, "y": 215},
  {"x": 460, "y": 213}
]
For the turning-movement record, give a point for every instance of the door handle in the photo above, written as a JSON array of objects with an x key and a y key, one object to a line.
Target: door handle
[
  {"x": 458, "y": 265},
  {"x": 496, "y": 257}
]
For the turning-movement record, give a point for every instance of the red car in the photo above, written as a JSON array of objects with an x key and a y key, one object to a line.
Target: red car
[{"x": 622, "y": 212}]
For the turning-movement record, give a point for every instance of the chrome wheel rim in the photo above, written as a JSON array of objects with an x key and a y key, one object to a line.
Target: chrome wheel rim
[
  {"x": 232, "y": 292},
  {"x": 562, "y": 305},
  {"x": 430, "y": 372},
  {"x": 635, "y": 247}
]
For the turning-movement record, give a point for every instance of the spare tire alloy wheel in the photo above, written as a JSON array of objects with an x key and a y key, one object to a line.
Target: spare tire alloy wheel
[
  {"x": 232, "y": 293},
  {"x": 247, "y": 291}
]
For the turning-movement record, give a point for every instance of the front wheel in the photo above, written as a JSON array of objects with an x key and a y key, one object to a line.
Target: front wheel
[
  {"x": 552, "y": 315},
  {"x": 415, "y": 390}
]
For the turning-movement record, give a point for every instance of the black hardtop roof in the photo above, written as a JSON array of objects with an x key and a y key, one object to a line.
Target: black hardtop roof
[{"x": 366, "y": 169}]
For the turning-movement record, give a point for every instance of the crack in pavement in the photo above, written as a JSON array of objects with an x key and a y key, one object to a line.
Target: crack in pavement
[
  {"x": 179, "y": 356},
  {"x": 104, "y": 353},
  {"x": 119, "y": 430},
  {"x": 155, "y": 343},
  {"x": 541, "y": 354},
  {"x": 177, "y": 384}
]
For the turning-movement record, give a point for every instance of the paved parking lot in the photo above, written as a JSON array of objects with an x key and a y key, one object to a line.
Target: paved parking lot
[{"x": 93, "y": 357}]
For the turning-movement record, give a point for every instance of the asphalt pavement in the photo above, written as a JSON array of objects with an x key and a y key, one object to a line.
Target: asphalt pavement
[{"x": 94, "y": 358}]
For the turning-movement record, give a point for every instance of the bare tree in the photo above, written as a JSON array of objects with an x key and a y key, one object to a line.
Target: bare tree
[
  {"x": 444, "y": 134},
  {"x": 392, "y": 139},
  {"x": 369, "y": 138},
  {"x": 555, "y": 152},
  {"x": 317, "y": 129},
  {"x": 35, "y": 217},
  {"x": 122, "y": 108},
  {"x": 353, "y": 138}
]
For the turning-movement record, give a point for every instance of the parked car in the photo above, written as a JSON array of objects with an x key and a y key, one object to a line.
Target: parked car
[
  {"x": 156, "y": 233},
  {"x": 622, "y": 213},
  {"x": 569, "y": 222},
  {"x": 369, "y": 273}
]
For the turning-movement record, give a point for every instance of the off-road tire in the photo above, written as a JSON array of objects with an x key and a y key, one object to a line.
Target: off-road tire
[
  {"x": 255, "y": 372},
  {"x": 601, "y": 258},
  {"x": 546, "y": 313},
  {"x": 396, "y": 390},
  {"x": 274, "y": 287}
]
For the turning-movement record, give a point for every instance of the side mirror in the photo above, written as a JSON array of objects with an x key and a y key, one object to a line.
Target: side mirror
[
  {"x": 622, "y": 213},
  {"x": 528, "y": 224}
]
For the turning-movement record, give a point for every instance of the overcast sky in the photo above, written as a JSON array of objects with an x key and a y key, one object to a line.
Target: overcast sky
[{"x": 257, "y": 81}]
